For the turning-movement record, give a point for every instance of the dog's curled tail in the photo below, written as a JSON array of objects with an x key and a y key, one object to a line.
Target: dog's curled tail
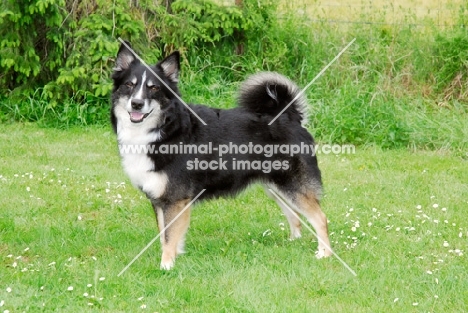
[{"x": 270, "y": 93}]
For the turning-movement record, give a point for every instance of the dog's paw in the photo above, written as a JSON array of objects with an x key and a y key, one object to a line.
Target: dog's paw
[
  {"x": 322, "y": 253},
  {"x": 166, "y": 265}
]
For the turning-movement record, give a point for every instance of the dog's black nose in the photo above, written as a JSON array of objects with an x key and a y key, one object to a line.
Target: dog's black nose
[{"x": 137, "y": 104}]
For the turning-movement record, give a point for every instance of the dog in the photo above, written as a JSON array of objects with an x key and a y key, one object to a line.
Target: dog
[{"x": 147, "y": 111}]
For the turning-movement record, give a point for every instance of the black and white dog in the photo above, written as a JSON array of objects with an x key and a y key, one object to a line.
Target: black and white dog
[{"x": 235, "y": 148}]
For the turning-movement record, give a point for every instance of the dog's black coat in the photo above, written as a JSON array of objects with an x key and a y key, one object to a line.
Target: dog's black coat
[
  {"x": 147, "y": 109},
  {"x": 241, "y": 125}
]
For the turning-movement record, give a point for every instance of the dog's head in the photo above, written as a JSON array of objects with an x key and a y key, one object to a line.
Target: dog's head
[{"x": 141, "y": 93}]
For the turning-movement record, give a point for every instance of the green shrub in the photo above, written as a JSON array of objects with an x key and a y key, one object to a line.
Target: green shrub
[
  {"x": 61, "y": 53},
  {"x": 31, "y": 45}
]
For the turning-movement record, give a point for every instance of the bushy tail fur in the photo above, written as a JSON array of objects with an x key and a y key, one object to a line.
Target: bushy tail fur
[{"x": 270, "y": 93}]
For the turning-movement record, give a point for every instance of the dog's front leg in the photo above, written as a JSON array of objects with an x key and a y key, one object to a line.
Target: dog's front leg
[{"x": 173, "y": 222}]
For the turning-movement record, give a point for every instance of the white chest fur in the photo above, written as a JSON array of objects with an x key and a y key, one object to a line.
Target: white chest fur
[
  {"x": 140, "y": 170},
  {"x": 134, "y": 141}
]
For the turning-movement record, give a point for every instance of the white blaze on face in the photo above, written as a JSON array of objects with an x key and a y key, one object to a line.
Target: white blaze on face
[
  {"x": 139, "y": 94},
  {"x": 148, "y": 105}
]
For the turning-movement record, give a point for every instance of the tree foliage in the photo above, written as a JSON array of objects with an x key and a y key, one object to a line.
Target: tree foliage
[{"x": 66, "y": 48}]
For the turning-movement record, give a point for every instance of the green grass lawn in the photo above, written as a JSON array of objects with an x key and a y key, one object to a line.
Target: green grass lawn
[{"x": 70, "y": 221}]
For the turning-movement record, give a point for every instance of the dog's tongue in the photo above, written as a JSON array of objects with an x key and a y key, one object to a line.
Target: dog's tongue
[{"x": 136, "y": 116}]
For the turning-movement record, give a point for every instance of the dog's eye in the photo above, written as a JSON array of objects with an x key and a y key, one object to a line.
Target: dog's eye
[
  {"x": 129, "y": 84},
  {"x": 154, "y": 88}
]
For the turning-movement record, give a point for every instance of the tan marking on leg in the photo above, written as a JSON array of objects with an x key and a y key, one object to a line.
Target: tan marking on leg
[
  {"x": 174, "y": 234},
  {"x": 310, "y": 208}
]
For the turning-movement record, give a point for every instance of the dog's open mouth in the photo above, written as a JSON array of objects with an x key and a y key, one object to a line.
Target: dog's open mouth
[{"x": 138, "y": 117}]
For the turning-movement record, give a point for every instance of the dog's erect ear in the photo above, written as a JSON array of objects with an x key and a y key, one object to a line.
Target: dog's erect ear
[
  {"x": 124, "y": 57},
  {"x": 171, "y": 66}
]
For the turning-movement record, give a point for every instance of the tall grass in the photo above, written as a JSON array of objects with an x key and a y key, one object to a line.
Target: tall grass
[{"x": 71, "y": 112}]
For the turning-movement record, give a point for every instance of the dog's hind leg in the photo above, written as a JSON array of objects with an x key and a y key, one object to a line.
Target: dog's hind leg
[
  {"x": 172, "y": 236},
  {"x": 308, "y": 205},
  {"x": 293, "y": 220}
]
